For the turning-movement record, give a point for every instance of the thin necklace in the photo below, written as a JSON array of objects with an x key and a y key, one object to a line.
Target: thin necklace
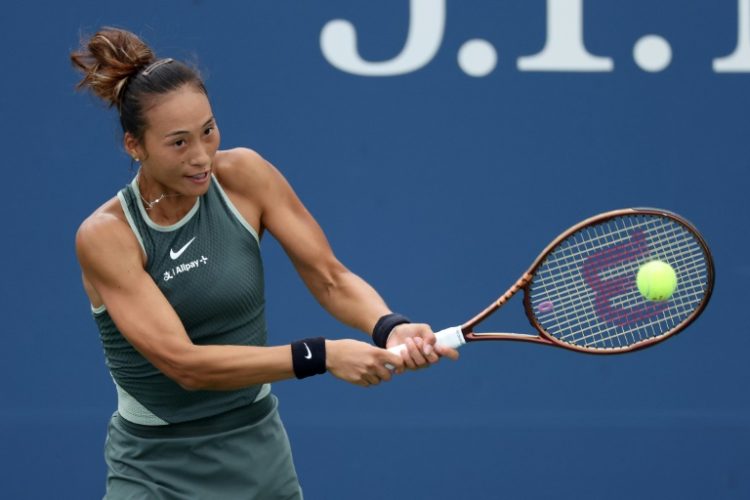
[{"x": 151, "y": 204}]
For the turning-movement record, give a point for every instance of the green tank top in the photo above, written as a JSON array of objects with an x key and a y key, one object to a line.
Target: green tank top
[{"x": 208, "y": 266}]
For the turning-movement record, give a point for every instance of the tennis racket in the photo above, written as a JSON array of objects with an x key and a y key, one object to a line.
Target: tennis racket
[{"x": 581, "y": 293}]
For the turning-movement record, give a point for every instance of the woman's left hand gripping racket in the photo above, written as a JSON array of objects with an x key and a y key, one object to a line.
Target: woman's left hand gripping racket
[{"x": 581, "y": 292}]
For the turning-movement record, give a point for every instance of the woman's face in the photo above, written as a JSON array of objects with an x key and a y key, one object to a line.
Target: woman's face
[{"x": 180, "y": 142}]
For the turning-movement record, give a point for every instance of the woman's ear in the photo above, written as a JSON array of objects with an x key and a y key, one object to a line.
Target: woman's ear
[{"x": 132, "y": 147}]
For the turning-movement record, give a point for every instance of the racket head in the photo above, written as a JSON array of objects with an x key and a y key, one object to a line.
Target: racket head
[{"x": 582, "y": 294}]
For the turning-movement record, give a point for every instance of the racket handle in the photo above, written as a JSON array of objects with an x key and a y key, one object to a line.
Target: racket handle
[{"x": 450, "y": 337}]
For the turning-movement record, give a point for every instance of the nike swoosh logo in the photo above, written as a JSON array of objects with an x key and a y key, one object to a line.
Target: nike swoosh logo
[
  {"x": 176, "y": 255},
  {"x": 309, "y": 354}
]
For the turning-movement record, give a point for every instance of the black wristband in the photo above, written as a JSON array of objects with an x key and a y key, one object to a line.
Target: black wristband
[
  {"x": 384, "y": 326},
  {"x": 309, "y": 357}
]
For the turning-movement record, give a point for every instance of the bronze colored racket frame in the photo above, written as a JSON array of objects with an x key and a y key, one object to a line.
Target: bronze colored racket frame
[{"x": 525, "y": 281}]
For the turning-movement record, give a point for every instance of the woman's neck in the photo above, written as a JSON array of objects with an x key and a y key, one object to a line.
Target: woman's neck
[{"x": 164, "y": 206}]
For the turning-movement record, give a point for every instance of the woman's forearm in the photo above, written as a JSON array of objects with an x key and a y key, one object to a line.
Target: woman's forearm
[
  {"x": 351, "y": 300},
  {"x": 228, "y": 367}
]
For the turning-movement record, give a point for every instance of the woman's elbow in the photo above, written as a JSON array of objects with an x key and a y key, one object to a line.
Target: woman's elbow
[{"x": 180, "y": 368}]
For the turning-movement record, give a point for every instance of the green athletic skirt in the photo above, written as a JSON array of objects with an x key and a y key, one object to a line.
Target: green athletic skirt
[{"x": 242, "y": 454}]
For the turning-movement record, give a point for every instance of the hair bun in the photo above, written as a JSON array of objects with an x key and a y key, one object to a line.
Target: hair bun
[{"x": 108, "y": 59}]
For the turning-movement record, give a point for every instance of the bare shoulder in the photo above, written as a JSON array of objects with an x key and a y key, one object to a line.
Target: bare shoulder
[
  {"x": 253, "y": 184},
  {"x": 243, "y": 170},
  {"x": 105, "y": 234}
]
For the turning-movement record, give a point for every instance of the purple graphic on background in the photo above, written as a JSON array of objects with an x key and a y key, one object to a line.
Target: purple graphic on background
[{"x": 607, "y": 289}]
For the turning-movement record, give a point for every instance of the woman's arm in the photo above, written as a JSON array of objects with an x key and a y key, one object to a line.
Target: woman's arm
[
  {"x": 341, "y": 292},
  {"x": 150, "y": 324}
]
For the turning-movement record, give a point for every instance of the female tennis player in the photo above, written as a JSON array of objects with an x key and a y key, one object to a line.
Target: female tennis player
[{"x": 173, "y": 271}]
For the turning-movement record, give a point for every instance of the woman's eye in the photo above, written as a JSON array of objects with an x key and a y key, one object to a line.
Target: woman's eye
[
  {"x": 179, "y": 143},
  {"x": 208, "y": 131}
]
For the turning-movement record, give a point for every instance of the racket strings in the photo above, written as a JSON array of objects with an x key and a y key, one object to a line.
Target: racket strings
[
  {"x": 560, "y": 275},
  {"x": 617, "y": 336},
  {"x": 693, "y": 264},
  {"x": 565, "y": 272},
  {"x": 571, "y": 320},
  {"x": 584, "y": 246},
  {"x": 614, "y": 333},
  {"x": 587, "y": 282}
]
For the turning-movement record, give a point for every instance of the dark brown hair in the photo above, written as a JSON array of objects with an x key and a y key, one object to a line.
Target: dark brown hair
[{"x": 122, "y": 70}]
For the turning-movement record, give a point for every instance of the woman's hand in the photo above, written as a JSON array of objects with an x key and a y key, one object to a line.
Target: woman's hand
[
  {"x": 421, "y": 349},
  {"x": 361, "y": 363}
]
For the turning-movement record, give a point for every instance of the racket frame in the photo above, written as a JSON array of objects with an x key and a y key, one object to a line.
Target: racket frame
[{"x": 524, "y": 282}]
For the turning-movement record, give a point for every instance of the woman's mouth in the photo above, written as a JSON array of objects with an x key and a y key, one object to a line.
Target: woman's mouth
[{"x": 199, "y": 178}]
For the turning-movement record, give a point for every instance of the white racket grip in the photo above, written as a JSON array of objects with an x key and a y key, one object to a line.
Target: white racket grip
[{"x": 449, "y": 337}]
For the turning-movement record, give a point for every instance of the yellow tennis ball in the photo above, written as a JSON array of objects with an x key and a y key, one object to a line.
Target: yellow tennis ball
[{"x": 656, "y": 280}]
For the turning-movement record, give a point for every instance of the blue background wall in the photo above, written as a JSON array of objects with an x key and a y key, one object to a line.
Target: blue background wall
[{"x": 469, "y": 178}]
